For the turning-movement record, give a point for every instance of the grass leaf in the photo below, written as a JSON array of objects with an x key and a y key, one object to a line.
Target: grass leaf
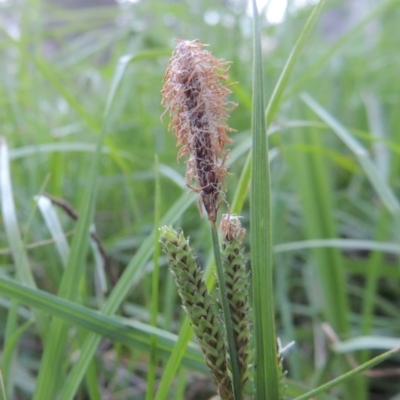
[{"x": 266, "y": 372}]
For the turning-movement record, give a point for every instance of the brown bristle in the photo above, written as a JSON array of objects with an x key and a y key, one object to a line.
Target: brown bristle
[{"x": 196, "y": 99}]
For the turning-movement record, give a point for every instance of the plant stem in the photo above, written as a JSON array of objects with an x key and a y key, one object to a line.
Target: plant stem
[{"x": 236, "y": 381}]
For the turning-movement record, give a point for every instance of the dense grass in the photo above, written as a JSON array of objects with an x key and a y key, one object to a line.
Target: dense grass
[{"x": 80, "y": 120}]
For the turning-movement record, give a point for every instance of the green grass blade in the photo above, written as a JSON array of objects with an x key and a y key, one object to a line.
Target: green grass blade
[
  {"x": 54, "y": 226},
  {"x": 175, "y": 360},
  {"x": 377, "y": 127},
  {"x": 63, "y": 147},
  {"x": 283, "y": 80},
  {"x": 155, "y": 281},
  {"x": 343, "y": 244},
  {"x": 2, "y": 389},
  {"x": 92, "y": 382},
  {"x": 348, "y": 375},
  {"x": 50, "y": 374},
  {"x": 380, "y": 185},
  {"x": 373, "y": 267},
  {"x": 20, "y": 257},
  {"x": 266, "y": 373},
  {"x": 8, "y": 351},
  {"x": 366, "y": 342},
  {"x": 9, "y": 347},
  {"x": 129, "y": 332},
  {"x": 10, "y": 219}
]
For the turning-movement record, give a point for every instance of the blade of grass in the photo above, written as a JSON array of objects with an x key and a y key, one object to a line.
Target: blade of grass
[
  {"x": 8, "y": 352},
  {"x": 2, "y": 390},
  {"x": 366, "y": 342},
  {"x": 181, "y": 385},
  {"x": 266, "y": 379},
  {"x": 9, "y": 347},
  {"x": 92, "y": 382},
  {"x": 311, "y": 394},
  {"x": 276, "y": 97},
  {"x": 373, "y": 267},
  {"x": 343, "y": 244},
  {"x": 154, "y": 286},
  {"x": 377, "y": 127},
  {"x": 130, "y": 332},
  {"x": 174, "y": 361},
  {"x": 50, "y": 372},
  {"x": 54, "y": 226},
  {"x": 20, "y": 257},
  {"x": 44, "y": 148},
  {"x": 381, "y": 187}
]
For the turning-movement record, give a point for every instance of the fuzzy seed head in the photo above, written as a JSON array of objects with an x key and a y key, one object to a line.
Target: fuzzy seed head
[
  {"x": 195, "y": 97},
  {"x": 232, "y": 228}
]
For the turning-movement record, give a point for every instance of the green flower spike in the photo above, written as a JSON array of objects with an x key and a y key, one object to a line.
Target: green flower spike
[
  {"x": 237, "y": 288},
  {"x": 199, "y": 306}
]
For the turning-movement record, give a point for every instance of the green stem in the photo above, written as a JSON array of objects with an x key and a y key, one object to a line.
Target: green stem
[{"x": 236, "y": 380}]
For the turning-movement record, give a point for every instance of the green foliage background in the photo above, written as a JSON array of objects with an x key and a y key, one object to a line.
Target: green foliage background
[{"x": 335, "y": 164}]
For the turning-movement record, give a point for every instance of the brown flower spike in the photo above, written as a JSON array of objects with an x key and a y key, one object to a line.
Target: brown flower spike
[{"x": 195, "y": 97}]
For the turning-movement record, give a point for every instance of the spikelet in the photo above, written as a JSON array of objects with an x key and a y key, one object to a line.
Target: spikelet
[
  {"x": 199, "y": 306},
  {"x": 236, "y": 281},
  {"x": 195, "y": 97}
]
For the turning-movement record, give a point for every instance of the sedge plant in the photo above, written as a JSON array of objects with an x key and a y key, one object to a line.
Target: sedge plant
[
  {"x": 237, "y": 337},
  {"x": 195, "y": 95}
]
